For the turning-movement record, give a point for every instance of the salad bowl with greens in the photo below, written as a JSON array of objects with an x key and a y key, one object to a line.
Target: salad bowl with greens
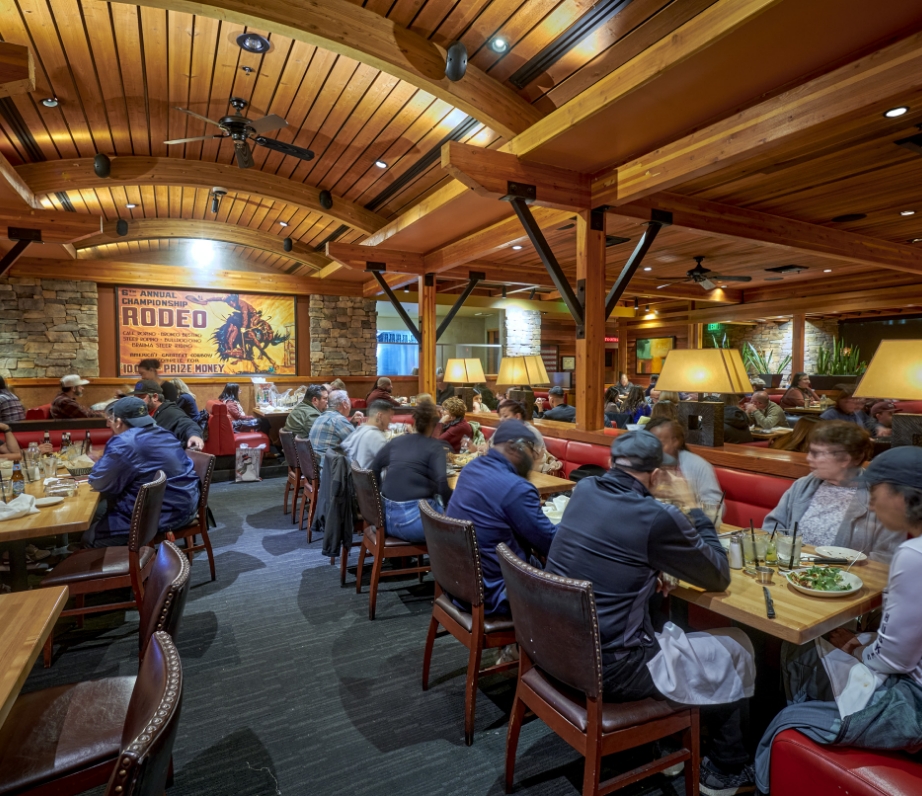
[{"x": 824, "y": 581}]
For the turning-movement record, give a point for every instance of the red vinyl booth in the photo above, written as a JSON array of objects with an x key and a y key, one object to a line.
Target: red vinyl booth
[
  {"x": 222, "y": 439},
  {"x": 801, "y": 767},
  {"x": 98, "y": 436},
  {"x": 749, "y": 496},
  {"x": 42, "y": 412}
]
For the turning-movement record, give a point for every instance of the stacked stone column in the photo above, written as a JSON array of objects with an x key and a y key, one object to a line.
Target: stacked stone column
[{"x": 343, "y": 336}]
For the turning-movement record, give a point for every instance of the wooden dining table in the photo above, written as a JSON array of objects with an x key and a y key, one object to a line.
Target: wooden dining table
[
  {"x": 72, "y": 515},
  {"x": 544, "y": 483},
  {"x": 805, "y": 410},
  {"x": 26, "y": 619},
  {"x": 276, "y": 419}
]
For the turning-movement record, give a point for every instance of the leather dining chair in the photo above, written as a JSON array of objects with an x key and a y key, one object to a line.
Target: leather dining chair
[
  {"x": 560, "y": 680},
  {"x": 100, "y": 569},
  {"x": 293, "y": 482},
  {"x": 455, "y": 560},
  {"x": 204, "y": 464},
  {"x": 375, "y": 539},
  {"x": 66, "y": 739},
  {"x": 310, "y": 482}
]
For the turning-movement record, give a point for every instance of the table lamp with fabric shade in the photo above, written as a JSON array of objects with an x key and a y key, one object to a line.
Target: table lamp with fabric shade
[
  {"x": 465, "y": 372},
  {"x": 896, "y": 372},
  {"x": 704, "y": 370},
  {"x": 522, "y": 373}
]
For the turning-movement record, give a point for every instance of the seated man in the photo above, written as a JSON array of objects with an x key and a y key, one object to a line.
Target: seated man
[
  {"x": 849, "y": 409},
  {"x": 882, "y": 416},
  {"x": 65, "y": 406},
  {"x": 302, "y": 418},
  {"x": 615, "y": 534},
  {"x": 764, "y": 412},
  {"x": 362, "y": 445},
  {"x": 493, "y": 492},
  {"x": 382, "y": 392},
  {"x": 168, "y": 415},
  {"x": 886, "y": 714},
  {"x": 333, "y": 426},
  {"x": 137, "y": 449},
  {"x": 559, "y": 410}
]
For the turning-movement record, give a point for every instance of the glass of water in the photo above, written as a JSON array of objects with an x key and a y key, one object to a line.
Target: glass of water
[{"x": 783, "y": 544}]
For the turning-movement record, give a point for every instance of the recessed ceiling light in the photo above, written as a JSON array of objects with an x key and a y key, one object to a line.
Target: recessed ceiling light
[
  {"x": 827, "y": 270},
  {"x": 907, "y": 212},
  {"x": 381, "y": 164},
  {"x": 283, "y": 223},
  {"x": 516, "y": 248},
  {"x": 893, "y": 113},
  {"x": 131, "y": 206},
  {"x": 500, "y": 45},
  {"x": 50, "y": 102},
  {"x": 647, "y": 268},
  {"x": 253, "y": 43},
  {"x": 722, "y": 286}
]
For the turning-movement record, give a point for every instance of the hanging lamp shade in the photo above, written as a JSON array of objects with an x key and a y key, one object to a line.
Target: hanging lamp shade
[
  {"x": 522, "y": 370},
  {"x": 464, "y": 371},
  {"x": 704, "y": 370}
]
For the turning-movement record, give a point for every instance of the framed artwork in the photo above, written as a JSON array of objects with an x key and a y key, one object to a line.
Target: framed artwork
[
  {"x": 651, "y": 353},
  {"x": 568, "y": 363}
]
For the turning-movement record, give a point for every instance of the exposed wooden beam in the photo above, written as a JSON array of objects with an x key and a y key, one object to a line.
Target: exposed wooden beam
[
  {"x": 649, "y": 288},
  {"x": 347, "y": 29},
  {"x": 168, "y": 228},
  {"x": 13, "y": 189},
  {"x": 725, "y": 221},
  {"x": 17, "y": 70},
  {"x": 357, "y": 257},
  {"x": 489, "y": 173},
  {"x": 418, "y": 212},
  {"x": 120, "y": 273},
  {"x": 868, "y": 86},
  {"x": 72, "y": 175},
  {"x": 56, "y": 226},
  {"x": 371, "y": 288}
]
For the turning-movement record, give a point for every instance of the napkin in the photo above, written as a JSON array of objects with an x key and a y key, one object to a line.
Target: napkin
[
  {"x": 18, "y": 507},
  {"x": 852, "y": 682}
]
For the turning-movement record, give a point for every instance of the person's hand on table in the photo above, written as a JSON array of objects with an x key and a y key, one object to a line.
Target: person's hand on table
[
  {"x": 844, "y": 639},
  {"x": 196, "y": 444},
  {"x": 46, "y": 449}
]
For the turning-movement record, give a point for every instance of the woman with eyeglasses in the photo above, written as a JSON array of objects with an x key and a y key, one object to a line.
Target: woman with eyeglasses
[{"x": 831, "y": 505}]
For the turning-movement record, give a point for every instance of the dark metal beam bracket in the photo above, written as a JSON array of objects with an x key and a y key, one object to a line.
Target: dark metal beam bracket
[
  {"x": 376, "y": 270},
  {"x": 474, "y": 277},
  {"x": 658, "y": 220}
]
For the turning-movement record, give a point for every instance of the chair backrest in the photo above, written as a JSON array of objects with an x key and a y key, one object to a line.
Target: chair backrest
[
  {"x": 555, "y": 623},
  {"x": 165, "y": 594},
  {"x": 288, "y": 448},
  {"x": 145, "y": 518},
  {"x": 150, "y": 724},
  {"x": 42, "y": 412},
  {"x": 204, "y": 464},
  {"x": 307, "y": 459},
  {"x": 453, "y": 555},
  {"x": 368, "y": 497},
  {"x": 220, "y": 440}
]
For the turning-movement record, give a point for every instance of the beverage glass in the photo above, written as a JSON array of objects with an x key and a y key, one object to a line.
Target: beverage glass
[
  {"x": 7, "y": 490},
  {"x": 711, "y": 511},
  {"x": 761, "y": 538},
  {"x": 783, "y": 544},
  {"x": 50, "y": 467}
]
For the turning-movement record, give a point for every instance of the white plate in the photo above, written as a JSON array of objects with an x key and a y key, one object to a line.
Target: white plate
[
  {"x": 854, "y": 583},
  {"x": 48, "y": 501},
  {"x": 830, "y": 551}
]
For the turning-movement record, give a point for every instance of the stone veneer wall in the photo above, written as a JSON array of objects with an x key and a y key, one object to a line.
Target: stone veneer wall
[
  {"x": 48, "y": 328},
  {"x": 778, "y": 336},
  {"x": 343, "y": 336},
  {"x": 522, "y": 332}
]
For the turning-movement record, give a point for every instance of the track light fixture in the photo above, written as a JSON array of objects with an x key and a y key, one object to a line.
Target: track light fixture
[
  {"x": 217, "y": 194},
  {"x": 532, "y": 294}
]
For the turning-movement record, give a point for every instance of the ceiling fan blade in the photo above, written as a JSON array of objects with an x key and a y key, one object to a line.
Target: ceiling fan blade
[
  {"x": 668, "y": 284},
  {"x": 707, "y": 284},
  {"x": 285, "y": 149},
  {"x": 196, "y": 115},
  {"x": 730, "y": 278},
  {"x": 244, "y": 156},
  {"x": 196, "y": 138},
  {"x": 268, "y": 123}
]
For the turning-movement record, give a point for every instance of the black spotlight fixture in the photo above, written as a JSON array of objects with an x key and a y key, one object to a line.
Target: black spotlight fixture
[
  {"x": 636, "y": 303},
  {"x": 217, "y": 194},
  {"x": 532, "y": 294},
  {"x": 253, "y": 43},
  {"x": 121, "y": 227},
  {"x": 102, "y": 165},
  {"x": 287, "y": 244},
  {"x": 456, "y": 61},
  {"x": 326, "y": 200},
  {"x": 504, "y": 291}
]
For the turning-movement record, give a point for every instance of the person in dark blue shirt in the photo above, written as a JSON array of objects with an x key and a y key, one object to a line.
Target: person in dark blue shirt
[
  {"x": 559, "y": 410},
  {"x": 850, "y": 409},
  {"x": 137, "y": 449},
  {"x": 494, "y": 493}
]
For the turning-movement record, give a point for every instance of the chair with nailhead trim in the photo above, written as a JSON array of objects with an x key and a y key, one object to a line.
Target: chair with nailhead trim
[{"x": 66, "y": 740}]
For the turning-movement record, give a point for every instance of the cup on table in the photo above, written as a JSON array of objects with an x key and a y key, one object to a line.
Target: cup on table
[
  {"x": 6, "y": 489},
  {"x": 751, "y": 556},
  {"x": 711, "y": 511},
  {"x": 783, "y": 545},
  {"x": 50, "y": 466}
]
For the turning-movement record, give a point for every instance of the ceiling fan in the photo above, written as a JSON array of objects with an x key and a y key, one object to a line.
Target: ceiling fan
[
  {"x": 703, "y": 276},
  {"x": 241, "y": 130}
]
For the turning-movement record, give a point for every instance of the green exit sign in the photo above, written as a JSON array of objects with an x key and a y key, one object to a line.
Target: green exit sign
[{"x": 714, "y": 327}]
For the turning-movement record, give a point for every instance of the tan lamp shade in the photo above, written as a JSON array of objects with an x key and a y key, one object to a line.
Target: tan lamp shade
[
  {"x": 717, "y": 370},
  {"x": 519, "y": 371},
  {"x": 895, "y": 372},
  {"x": 464, "y": 371}
]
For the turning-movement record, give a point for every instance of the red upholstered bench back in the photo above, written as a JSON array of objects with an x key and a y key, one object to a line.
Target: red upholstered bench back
[
  {"x": 913, "y": 407},
  {"x": 579, "y": 453},
  {"x": 777, "y": 398},
  {"x": 42, "y": 412},
  {"x": 359, "y": 403},
  {"x": 749, "y": 496},
  {"x": 98, "y": 436},
  {"x": 557, "y": 448},
  {"x": 487, "y": 431},
  {"x": 220, "y": 440}
]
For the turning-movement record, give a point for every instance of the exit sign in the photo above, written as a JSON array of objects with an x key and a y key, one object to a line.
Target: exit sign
[{"x": 714, "y": 327}]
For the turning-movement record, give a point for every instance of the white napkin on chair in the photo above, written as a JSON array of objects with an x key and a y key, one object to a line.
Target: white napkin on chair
[{"x": 18, "y": 507}]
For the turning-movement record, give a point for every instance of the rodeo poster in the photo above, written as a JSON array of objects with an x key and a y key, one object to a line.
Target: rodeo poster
[{"x": 196, "y": 333}]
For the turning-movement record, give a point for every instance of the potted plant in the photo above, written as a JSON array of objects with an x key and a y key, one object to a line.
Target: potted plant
[
  {"x": 760, "y": 363},
  {"x": 838, "y": 364}
]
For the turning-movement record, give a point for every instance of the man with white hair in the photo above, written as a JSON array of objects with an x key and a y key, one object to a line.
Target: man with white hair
[{"x": 333, "y": 426}]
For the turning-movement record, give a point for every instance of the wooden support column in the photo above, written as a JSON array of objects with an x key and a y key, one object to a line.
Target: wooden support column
[
  {"x": 590, "y": 349},
  {"x": 427, "y": 328},
  {"x": 695, "y": 331},
  {"x": 798, "y": 342}
]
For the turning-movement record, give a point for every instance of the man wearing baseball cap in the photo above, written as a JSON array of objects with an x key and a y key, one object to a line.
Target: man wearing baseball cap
[
  {"x": 559, "y": 410},
  {"x": 137, "y": 450},
  {"x": 882, "y": 413},
  {"x": 168, "y": 415},
  {"x": 615, "y": 534},
  {"x": 65, "y": 406},
  {"x": 889, "y": 719}
]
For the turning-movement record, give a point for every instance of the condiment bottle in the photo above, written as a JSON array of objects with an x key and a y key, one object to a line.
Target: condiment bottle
[{"x": 735, "y": 554}]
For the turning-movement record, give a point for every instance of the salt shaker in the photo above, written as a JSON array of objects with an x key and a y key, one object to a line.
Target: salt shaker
[{"x": 735, "y": 553}]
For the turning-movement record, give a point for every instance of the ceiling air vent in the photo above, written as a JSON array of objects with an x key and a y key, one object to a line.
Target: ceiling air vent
[
  {"x": 614, "y": 240},
  {"x": 787, "y": 269}
]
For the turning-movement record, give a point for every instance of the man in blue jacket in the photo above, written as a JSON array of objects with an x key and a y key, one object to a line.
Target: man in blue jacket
[
  {"x": 494, "y": 493},
  {"x": 137, "y": 449}
]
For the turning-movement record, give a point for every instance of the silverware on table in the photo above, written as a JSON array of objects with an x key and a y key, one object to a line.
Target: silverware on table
[{"x": 769, "y": 605}]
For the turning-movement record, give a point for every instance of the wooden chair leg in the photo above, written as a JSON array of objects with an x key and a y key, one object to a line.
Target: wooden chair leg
[
  {"x": 46, "y": 651},
  {"x": 470, "y": 691},
  {"x": 419, "y": 563},
  {"x": 343, "y": 564},
  {"x": 375, "y": 579},
  {"x": 427, "y": 654},
  {"x": 285, "y": 498},
  {"x": 593, "y": 770},
  {"x": 303, "y": 508},
  {"x": 691, "y": 740},
  {"x": 206, "y": 540},
  {"x": 359, "y": 568},
  {"x": 310, "y": 513},
  {"x": 512, "y": 739}
]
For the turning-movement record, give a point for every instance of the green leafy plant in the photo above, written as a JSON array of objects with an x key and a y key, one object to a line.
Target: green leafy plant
[
  {"x": 839, "y": 360},
  {"x": 722, "y": 343},
  {"x": 761, "y": 362}
]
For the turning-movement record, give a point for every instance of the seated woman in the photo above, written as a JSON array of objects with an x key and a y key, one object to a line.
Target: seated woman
[
  {"x": 635, "y": 404},
  {"x": 453, "y": 427},
  {"x": 799, "y": 391},
  {"x": 414, "y": 468},
  {"x": 885, "y": 713},
  {"x": 612, "y": 400},
  {"x": 185, "y": 398},
  {"x": 240, "y": 420},
  {"x": 831, "y": 505}
]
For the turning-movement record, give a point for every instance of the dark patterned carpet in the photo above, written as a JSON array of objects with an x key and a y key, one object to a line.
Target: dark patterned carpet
[{"x": 289, "y": 689}]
